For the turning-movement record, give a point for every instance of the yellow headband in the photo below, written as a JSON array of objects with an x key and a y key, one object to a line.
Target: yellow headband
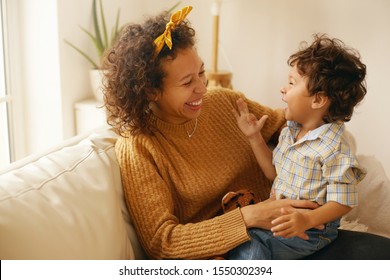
[{"x": 166, "y": 38}]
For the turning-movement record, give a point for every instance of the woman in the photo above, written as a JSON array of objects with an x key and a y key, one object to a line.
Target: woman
[{"x": 180, "y": 150}]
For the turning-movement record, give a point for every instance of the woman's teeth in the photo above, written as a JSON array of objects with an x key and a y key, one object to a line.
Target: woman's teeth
[{"x": 195, "y": 103}]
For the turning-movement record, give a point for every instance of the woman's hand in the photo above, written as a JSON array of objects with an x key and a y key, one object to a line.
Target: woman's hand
[{"x": 261, "y": 215}]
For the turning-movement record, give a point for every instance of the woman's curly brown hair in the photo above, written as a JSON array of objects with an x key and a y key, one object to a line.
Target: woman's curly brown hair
[
  {"x": 132, "y": 78},
  {"x": 334, "y": 70}
]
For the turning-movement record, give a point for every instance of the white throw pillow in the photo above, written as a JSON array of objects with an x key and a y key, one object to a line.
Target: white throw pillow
[
  {"x": 65, "y": 205},
  {"x": 374, "y": 198}
]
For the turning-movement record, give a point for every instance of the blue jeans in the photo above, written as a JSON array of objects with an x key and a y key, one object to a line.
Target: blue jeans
[{"x": 264, "y": 246}]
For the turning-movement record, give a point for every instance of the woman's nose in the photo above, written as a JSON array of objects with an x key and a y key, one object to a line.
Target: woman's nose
[
  {"x": 282, "y": 90},
  {"x": 202, "y": 86}
]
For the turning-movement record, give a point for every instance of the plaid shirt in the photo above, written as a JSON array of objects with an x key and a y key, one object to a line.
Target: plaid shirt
[{"x": 319, "y": 167}]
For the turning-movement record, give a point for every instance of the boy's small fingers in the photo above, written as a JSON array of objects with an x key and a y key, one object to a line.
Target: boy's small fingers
[{"x": 242, "y": 106}]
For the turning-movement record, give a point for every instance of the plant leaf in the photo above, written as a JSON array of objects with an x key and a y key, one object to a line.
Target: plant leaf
[
  {"x": 98, "y": 36},
  {"x": 95, "y": 42},
  {"x": 83, "y": 54},
  {"x": 115, "y": 31},
  {"x": 174, "y": 7},
  {"x": 104, "y": 27}
]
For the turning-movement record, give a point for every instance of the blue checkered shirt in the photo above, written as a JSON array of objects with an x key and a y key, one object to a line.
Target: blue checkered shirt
[{"x": 319, "y": 167}]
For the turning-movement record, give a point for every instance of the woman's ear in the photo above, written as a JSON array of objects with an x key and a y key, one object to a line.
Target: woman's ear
[
  {"x": 320, "y": 100},
  {"x": 154, "y": 97}
]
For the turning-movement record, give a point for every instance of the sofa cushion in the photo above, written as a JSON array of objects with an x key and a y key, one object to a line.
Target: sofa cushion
[
  {"x": 374, "y": 198},
  {"x": 67, "y": 204}
]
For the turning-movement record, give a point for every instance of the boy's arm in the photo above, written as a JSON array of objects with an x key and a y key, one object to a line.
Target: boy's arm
[
  {"x": 296, "y": 223},
  {"x": 251, "y": 127},
  {"x": 263, "y": 155}
]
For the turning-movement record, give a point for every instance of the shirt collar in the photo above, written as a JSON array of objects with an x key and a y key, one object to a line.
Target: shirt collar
[{"x": 332, "y": 130}]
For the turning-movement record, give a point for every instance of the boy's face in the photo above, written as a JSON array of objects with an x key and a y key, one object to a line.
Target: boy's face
[{"x": 297, "y": 97}]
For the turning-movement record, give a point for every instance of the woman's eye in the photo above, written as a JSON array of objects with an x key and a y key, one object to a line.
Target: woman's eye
[{"x": 188, "y": 83}]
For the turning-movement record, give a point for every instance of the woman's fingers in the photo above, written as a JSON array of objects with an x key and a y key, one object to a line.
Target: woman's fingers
[{"x": 305, "y": 204}]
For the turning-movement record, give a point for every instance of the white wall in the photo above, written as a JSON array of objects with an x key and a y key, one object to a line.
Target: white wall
[
  {"x": 74, "y": 68},
  {"x": 256, "y": 38}
]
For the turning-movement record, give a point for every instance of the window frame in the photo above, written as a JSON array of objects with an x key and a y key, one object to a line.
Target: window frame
[{"x": 10, "y": 29}]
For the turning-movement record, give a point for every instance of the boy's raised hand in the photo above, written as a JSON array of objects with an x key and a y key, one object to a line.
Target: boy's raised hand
[{"x": 247, "y": 122}]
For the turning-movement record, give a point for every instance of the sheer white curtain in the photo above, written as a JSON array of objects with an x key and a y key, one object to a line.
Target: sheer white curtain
[{"x": 5, "y": 99}]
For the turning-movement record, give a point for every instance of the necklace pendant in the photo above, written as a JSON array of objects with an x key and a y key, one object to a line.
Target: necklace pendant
[{"x": 193, "y": 131}]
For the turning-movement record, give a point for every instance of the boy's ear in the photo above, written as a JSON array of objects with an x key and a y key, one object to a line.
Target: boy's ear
[{"x": 320, "y": 100}]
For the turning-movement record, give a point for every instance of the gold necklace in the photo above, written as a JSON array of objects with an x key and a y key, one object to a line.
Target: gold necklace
[{"x": 192, "y": 133}]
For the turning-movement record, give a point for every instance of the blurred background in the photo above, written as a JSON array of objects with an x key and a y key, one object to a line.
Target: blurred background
[{"x": 46, "y": 95}]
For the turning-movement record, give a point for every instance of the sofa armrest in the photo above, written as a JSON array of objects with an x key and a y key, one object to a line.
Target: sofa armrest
[{"x": 65, "y": 204}]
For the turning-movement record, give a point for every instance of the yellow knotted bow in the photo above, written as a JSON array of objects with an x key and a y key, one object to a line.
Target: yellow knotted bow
[{"x": 166, "y": 38}]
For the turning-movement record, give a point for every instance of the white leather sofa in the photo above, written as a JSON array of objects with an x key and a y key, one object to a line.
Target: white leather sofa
[{"x": 67, "y": 203}]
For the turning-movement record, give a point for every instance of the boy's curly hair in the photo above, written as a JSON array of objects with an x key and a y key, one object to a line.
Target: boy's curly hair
[
  {"x": 336, "y": 71},
  {"x": 132, "y": 78}
]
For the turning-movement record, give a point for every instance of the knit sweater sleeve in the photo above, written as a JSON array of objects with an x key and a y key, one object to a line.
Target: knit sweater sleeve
[{"x": 152, "y": 207}]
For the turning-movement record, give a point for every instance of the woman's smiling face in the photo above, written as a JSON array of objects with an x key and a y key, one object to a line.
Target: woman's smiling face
[{"x": 184, "y": 85}]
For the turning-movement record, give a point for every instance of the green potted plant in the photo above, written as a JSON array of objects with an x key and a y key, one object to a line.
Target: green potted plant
[
  {"x": 102, "y": 41},
  {"x": 100, "y": 38}
]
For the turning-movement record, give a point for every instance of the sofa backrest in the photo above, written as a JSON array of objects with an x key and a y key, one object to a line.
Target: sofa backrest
[{"x": 66, "y": 204}]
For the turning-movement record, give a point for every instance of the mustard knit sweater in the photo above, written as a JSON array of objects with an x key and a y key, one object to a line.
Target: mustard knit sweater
[{"x": 174, "y": 184}]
